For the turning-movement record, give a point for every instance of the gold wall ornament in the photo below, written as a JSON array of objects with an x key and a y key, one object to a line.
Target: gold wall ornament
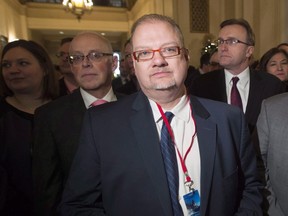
[{"x": 78, "y": 7}]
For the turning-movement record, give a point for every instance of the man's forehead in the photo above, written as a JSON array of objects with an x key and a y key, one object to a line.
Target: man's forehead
[{"x": 232, "y": 30}]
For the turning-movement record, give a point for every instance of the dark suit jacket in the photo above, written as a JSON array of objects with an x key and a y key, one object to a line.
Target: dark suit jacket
[
  {"x": 57, "y": 131},
  {"x": 128, "y": 88},
  {"x": 63, "y": 90},
  {"x": 118, "y": 168},
  {"x": 262, "y": 85},
  {"x": 117, "y": 83}
]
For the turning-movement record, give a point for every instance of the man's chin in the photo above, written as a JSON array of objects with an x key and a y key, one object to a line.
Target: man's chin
[{"x": 164, "y": 87}]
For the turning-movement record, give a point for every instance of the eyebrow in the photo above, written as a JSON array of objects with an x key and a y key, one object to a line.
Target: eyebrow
[{"x": 163, "y": 45}]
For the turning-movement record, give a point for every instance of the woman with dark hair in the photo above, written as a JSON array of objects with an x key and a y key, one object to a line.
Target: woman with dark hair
[
  {"x": 28, "y": 81},
  {"x": 275, "y": 62}
]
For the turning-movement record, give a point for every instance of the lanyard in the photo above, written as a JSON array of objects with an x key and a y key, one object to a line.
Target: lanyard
[{"x": 183, "y": 165}]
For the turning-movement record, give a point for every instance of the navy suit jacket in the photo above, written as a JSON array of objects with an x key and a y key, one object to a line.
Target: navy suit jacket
[
  {"x": 118, "y": 168},
  {"x": 262, "y": 85}
]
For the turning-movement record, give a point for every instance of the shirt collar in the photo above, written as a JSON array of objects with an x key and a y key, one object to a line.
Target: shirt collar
[
  {"x": 181, "y": 110},
  {"x": 243, "y": 77},
  {"x": 89, "y": 99}
]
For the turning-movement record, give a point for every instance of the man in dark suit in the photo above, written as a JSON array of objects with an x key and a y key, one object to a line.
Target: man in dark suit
[
  {"x": 121, "y": 167},
  {"x": 68, "y": 83},
  {"x": 235, "y": 47},
  {"x": 132, "y": 85},
  {"x": 121, "y": 80},
  {"x": 58, "y": 124}
]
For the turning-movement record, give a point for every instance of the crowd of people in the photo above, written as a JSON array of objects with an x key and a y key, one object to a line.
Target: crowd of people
[{"x": 160, "y": 139}]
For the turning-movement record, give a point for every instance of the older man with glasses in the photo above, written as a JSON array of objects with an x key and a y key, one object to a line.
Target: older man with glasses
[
  {"x": 67, "y": 82},
  {"x": 58, "y": 124}
]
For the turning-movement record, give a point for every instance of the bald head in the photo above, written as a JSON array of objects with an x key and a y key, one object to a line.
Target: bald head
[
  {"x": 85, "y": 38},
  {"x": 92, "y": 62}
]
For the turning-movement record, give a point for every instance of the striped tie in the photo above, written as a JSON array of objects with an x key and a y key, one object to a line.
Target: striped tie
[{"x": 171, "y": 167}]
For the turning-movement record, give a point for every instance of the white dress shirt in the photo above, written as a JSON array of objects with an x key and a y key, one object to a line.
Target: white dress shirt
[
  {"x": 183, "y": 127},
  {"x": 89, "y": 99},
  {"x": 243, "y": 86}
]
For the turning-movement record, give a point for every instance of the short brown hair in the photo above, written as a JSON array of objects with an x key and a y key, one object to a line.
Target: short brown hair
[
  {"x": 244, "y": 23},
  {"x": 158, "y": 17}
]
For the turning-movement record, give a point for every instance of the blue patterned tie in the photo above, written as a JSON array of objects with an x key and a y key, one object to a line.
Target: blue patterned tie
[
  {"x": 171, "y": 167},
  {"x": 235, "y": 95}
]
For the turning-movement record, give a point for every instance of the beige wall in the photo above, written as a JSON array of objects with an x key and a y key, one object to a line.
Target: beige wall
[
  {"x": 268, "y": 19},
  {"x": 12, "y": 20}
]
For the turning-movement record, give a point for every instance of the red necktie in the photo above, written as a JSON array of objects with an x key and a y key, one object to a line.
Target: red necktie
[
  {"x": 98, "y": 102},
  {"x": 235, "y": 95}
]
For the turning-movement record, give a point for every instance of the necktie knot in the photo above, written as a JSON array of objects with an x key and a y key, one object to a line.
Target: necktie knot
[
  {"x": 169, "y": 116},
  {"x": 235, "y": 80},
  {"x": 98, "y": 102}
]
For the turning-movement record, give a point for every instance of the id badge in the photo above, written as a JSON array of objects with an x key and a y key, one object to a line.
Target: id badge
[{"x": 192, "y": 201}]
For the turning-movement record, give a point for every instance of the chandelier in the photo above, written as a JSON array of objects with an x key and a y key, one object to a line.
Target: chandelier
[{"x": 78, "y": 7}]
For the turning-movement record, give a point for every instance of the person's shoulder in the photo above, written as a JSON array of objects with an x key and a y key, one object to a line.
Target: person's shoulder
[
  {"x": 115, "y": 107},
  {"x": 59, "y": 104},
  {"x": 212, "y": 74},
  {"x": 218, "y": 108},
  {"x": 268, "y": 82},
  {"x": 210, "y": 77},
  {"x": 276, "y": 100},
  {"x": 260, "y": 75}
]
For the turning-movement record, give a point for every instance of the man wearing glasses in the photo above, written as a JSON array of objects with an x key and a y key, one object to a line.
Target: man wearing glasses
[
  {"x": 132, "y": 85},
  {"x": 67, "y": 83},
  {"x": 235, "y": 48},
  {"x": 142, "y": 155},
  {"x": 58, "y": 124}
]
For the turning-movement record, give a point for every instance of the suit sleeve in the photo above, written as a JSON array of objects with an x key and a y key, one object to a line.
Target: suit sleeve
[
  {"x": 82, "y": 194},
  {"x": 46, "y": 168},
  {"x": 263, "y": 134}
]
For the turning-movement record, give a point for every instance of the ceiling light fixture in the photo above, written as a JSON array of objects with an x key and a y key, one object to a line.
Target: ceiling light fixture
[{"x": 78, "y": 7}]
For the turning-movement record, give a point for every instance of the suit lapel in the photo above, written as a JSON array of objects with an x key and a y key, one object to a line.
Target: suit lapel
[
  {"x": 254, "y": 98},
  {"x": 77, "y": 105},
  {"x": 145, "y": 131},
  {"x": 222, "y": 87},
  {"x": 206, "y": 134}
]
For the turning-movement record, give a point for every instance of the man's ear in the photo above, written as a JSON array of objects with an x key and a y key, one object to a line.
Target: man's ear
[
  {"x": 186, "y": 54},
  {"x": 249, "y": 51}
]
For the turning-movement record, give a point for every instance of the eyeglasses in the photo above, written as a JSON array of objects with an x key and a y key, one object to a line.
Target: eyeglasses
[
  {"x": 231, "y": 42},
  {"x": 144, "y": 55},
  {"x": 93, "y": 56}
]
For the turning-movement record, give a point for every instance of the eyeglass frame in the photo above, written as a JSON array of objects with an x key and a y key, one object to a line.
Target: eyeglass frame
[
  {"x": 231, "y": 42},
  {"x": 96, "y": 59},
  {"x": 157, "y": 50}
]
